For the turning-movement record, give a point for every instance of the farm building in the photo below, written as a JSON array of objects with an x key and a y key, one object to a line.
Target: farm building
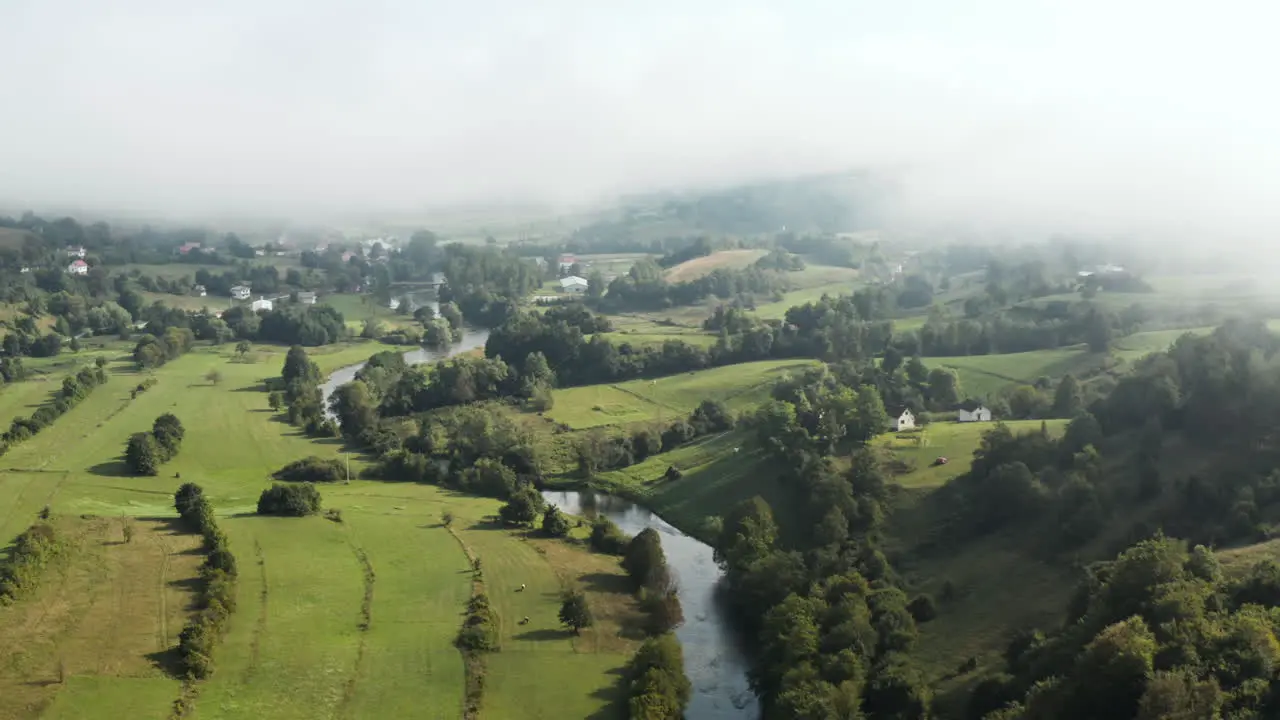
[
  {"x": 261, "y": 304},
  {"x": 973, "y": 412},
  {"x": 573, "y": 284},
  {"x": 901, "y": 419},
  {"x": 78, "y": 267},
  {"x": 77, "y": 252},
  {"x": 199, "y": 291},
  {"x": 567, "y": 261},
  {"x": 240, "y": 292},
  {"x": 307, "y": 298}
]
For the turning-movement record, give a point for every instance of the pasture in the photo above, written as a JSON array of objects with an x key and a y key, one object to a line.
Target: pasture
[
  {"x": 314, "y": 634},
  {"x": 912, "y": 454},
  {"x": 739, "y": 386}
]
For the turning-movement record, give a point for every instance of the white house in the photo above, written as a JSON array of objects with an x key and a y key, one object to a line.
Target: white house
[
  {"x": 902, "y": 419},
  {"x": 199, "y": 291},
  {"x": 973, "y": 413},
  {"x": 261, "y": 304},
  {"x": 78, "y": 267},
  {"x": 573, "y": 284},
  {"x": 240, "y": 292},
  {"x": 77, "y": 252},
  {"x": 307, "y": 298}
]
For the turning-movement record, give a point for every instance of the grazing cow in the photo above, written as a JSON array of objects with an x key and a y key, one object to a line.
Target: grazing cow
[
  {"x": 521, "y": 588},
  {"x": 525, "y": 621}
]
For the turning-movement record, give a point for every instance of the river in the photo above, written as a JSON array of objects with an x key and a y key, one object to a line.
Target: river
[
  {"x": 713, "y": 658},
  {"x": 472, "y": 338},
  {"x": 714, "y": 662}
]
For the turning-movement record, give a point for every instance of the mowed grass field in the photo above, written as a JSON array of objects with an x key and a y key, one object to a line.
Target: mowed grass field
[
  {"x": 987, "y": 375},
  {"x": 739, "y": 386},
  {"x": 298, "y": 645},
  {"x": 953, "y": 440},
  {"x": 726, "y": 259}
]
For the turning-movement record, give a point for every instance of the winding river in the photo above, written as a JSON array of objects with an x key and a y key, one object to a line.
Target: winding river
[
  {"x": 713, "y": 658},
  {"x": 714, "y": 662}
]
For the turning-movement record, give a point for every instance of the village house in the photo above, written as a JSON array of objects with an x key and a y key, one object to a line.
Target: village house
[
  {"x": 240, "y": 292},
  {"x": 261, "y": 304},
  {"x": 199, "y": 291},
  {"x": 573, "y": 284},
  {"x": 567, "y": 261},
  {"x": 188, "y": 247},
  {"x": 77, "y": 252},
  {"x": 78, "y": 267},
  {"x": 973, "y": 412},
  {"x": 307, "y": 298},
  {"x": 901, "y": 419}
]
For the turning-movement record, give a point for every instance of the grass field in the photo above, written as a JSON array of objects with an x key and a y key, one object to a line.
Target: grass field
[
  {"x": 356, "y": 309},
  {"x": 739, "y": 386},
  {"x": 170, "y": 271},
  {"x": 952, "y": 440},
  {"x": 986, "y": 375},
  {"x": 295, "y": 647},
  {"x": 724, "y": 259}
]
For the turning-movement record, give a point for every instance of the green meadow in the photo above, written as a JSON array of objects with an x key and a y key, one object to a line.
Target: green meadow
[{"x": 300, "y": 644}]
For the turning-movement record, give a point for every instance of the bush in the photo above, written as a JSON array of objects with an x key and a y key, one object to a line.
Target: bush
[
  {"x": 606, "y": 537},
  {"x": 479, "y": 631},
  {"x": 312, "y": 469},
  {"x": 289, "y": 500},
  {"x": 554, "y": 523},
  {"x": 922, "y": 608},
  {"x": 31, "y": 553}
]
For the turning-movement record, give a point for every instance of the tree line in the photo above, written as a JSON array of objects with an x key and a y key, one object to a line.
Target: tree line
[
  {"x": 216, "y": 599},
  {"x": 1158, "y": 632},
  {"x": 74, "y": 389}
]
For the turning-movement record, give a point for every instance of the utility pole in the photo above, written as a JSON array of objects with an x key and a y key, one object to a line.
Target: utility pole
[{"x": 347, "y": 457}]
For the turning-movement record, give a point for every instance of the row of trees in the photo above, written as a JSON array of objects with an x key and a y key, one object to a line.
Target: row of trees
[
  {"x": 147, "y": 451},
  {"x": 310, "y": 326},
  {"x": 298, "y": 393},
  {"x": 216, "y": 600},
  {"x": 74, "y": 389}
]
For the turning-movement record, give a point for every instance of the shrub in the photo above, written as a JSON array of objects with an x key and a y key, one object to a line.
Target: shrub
[
  {"x": 554, "y": 523},
  {"x": 289, "y": 500},
  {"x": 312, "y": 469},
  {"x": 606, "y": 537},
  {"x": 480, "y": 628},
  {"x": 922, "y": 608}
]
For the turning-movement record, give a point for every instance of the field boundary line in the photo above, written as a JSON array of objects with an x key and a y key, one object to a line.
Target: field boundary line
[
  {"x": 255, "y": 646},
  {"x": 366, "y": 620},
  {"x": 649, "y": 400},
  {"x": 473, "y": 663}
]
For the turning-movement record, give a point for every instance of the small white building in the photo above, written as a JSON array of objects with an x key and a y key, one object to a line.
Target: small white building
[
  {"x": 240, "y": 292},
  {"x": 975, "y": 413},
  {"x": 902, "y": 419},
  {"x": 77, "y": 252},
  {"x": 307, "y": 298},
  {"x": 78, "y": 267},
  {"x": 573, "y": 284},
  {"x": 261, "y": 304},
  {"x": 199, "y": 291}
]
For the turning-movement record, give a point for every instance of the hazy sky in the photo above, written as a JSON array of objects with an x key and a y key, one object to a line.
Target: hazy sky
[{"x": 1107, "y": 113}]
